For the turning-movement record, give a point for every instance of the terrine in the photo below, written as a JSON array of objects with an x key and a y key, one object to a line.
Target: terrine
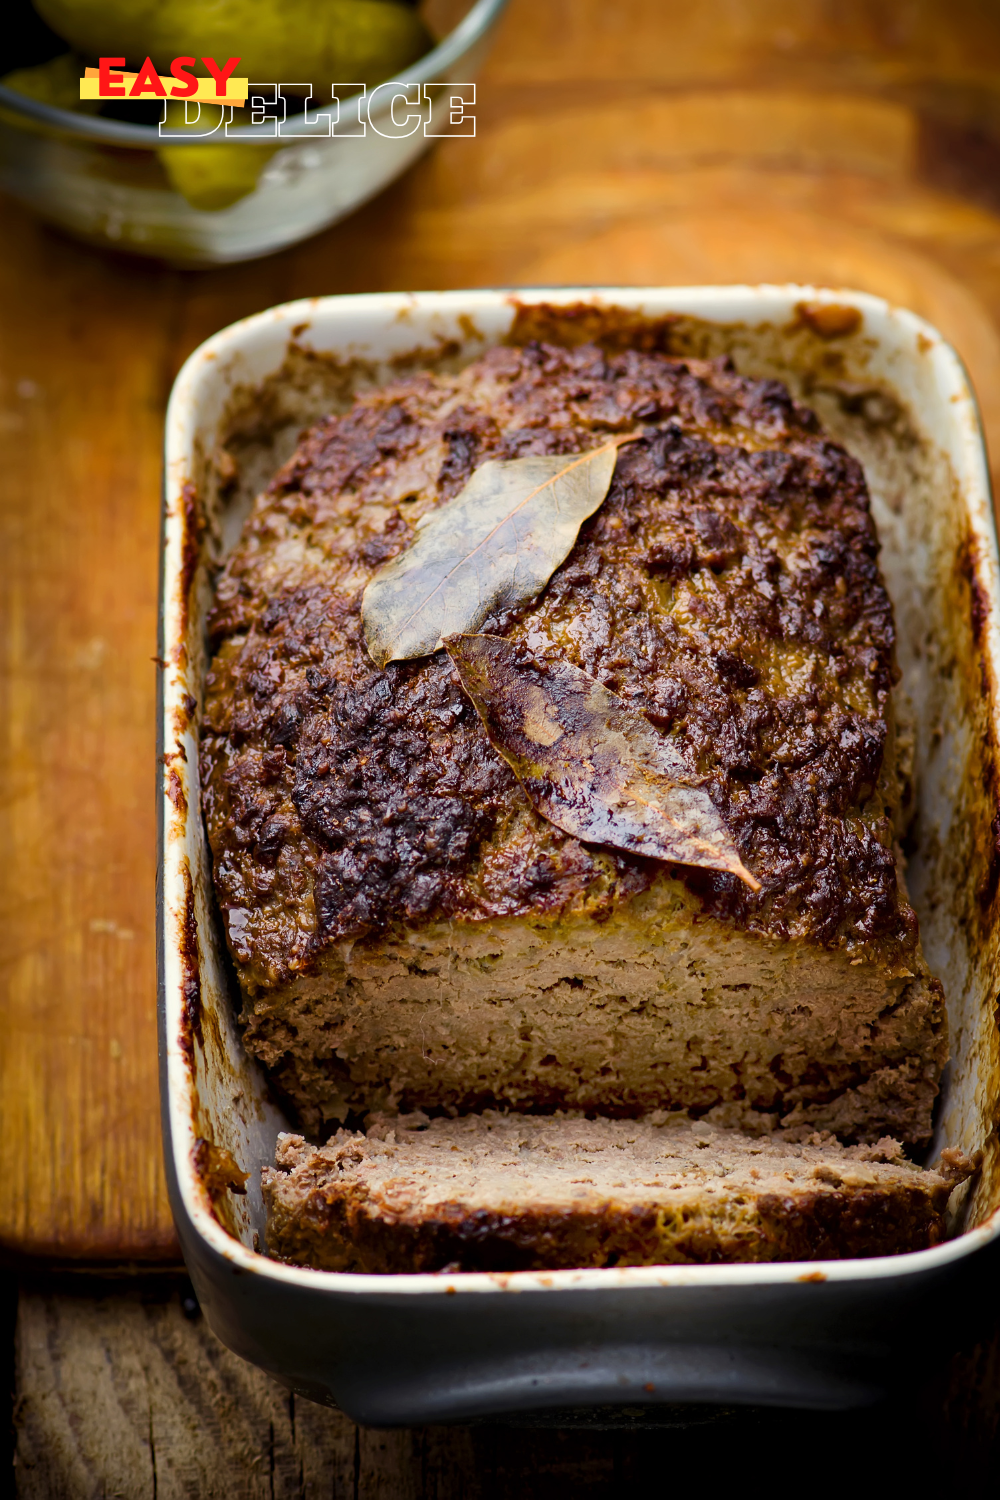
[
  {"x": 504, "y": 1192},
  {"x": 410, "y": 933}
]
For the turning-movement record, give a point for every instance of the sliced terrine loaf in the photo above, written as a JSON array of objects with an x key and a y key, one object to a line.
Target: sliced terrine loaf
[
  {"x": 501, "y": 1192},
  {"x": 409, "y": 931}
]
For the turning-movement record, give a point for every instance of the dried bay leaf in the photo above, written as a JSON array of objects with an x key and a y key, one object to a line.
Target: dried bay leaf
[
  {"x": 588, "y": 763},
  {"x": 495, "y": 545}
]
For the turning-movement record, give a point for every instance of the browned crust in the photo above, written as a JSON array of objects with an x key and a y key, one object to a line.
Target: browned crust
[
  {"x": 218, "y": 1169},
  {"x": 736, "y": 539},
  {"x": 502, "y": 1192},
  {"x": 343, "y": 1231},
  {"x": 191, "y": 1011}
]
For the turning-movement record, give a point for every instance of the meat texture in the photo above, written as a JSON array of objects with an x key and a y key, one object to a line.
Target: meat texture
[
  {"x": 496, "y": 1192},
  {"x": 409, "y": 933}
]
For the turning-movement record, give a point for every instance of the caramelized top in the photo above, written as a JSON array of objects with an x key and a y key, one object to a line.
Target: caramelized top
[{"x": 728, "y": 588}]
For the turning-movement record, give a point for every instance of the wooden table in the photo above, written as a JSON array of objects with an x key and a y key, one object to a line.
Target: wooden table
[
  {"x": 632, "y": 142},
  {"x": 124, "y": 1392},
  {"x": 639, "y": 141}
]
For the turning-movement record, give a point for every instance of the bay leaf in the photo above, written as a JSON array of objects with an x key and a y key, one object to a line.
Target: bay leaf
[
  {"x": 495, "y": 545},
  {"x": 588, "y": 763}
]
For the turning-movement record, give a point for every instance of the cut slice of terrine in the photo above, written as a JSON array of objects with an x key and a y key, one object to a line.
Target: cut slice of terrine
[{"x": 496, "y": 1192}]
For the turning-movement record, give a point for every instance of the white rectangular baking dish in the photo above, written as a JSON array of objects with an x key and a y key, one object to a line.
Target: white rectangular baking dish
[{"x": 412, "y": 1349}]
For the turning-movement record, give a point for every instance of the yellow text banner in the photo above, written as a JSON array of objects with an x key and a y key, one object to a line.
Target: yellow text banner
[{"x": 142, "y": 86}]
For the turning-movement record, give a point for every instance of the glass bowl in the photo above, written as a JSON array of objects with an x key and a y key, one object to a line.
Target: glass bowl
[{"x": 101, "y": 179}]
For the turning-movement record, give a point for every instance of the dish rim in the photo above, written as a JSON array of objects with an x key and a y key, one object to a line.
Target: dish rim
[{"x": 731, "y": 303}]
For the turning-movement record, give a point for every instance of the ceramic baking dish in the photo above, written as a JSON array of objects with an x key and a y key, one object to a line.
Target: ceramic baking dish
[{"x": 427, "y": 1348}]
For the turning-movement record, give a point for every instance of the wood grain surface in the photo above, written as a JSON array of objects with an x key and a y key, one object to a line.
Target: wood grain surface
[
  {"x": 125, "y": 1392},
  {"x": 645, "y": 141}
]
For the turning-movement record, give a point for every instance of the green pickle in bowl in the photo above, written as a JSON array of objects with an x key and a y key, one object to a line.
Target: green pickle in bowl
[
  {"x": 54, "y": 82},
  {"x": 360, "y": 40},
  {"x": 103, "y": 171},
  {"x": 276, "y": 40}
]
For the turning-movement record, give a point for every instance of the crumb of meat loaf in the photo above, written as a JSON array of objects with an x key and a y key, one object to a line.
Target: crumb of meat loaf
[
  {"x": 497, "y": 1192},
  {"x": 409, "y": 933}
]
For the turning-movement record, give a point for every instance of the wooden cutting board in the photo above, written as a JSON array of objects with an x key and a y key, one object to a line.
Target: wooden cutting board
[{"x": 727, "y": 180}]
